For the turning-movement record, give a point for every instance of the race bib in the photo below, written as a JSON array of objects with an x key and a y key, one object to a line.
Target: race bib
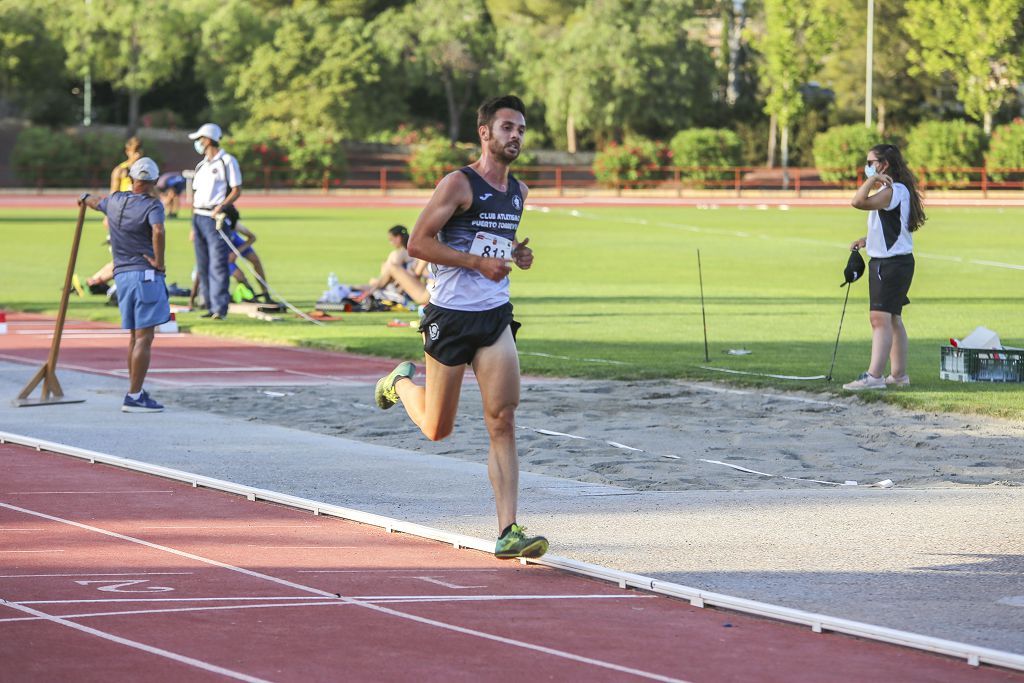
[{"x": 491, "y": 246}]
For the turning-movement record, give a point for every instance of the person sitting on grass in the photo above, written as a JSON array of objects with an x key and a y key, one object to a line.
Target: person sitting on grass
[{"x": 400, "y": 275}]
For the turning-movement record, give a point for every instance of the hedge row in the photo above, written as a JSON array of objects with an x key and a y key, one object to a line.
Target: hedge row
[
  {"x": 44, "y": 157},
  {"x": 62, "y": 159}
]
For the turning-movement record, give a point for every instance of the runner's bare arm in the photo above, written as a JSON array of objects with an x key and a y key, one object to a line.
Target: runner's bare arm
[
  {"x": 453, "y": 194},
  {"x": 522, "y": 255}
]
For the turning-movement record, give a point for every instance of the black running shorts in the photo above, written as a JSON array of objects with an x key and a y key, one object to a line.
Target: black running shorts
[
  {"x": 889, "y": 282},
  {"x": 453, "y": 337}
]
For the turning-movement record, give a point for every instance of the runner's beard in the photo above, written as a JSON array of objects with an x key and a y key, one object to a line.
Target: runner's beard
[{"x": 504, "y": 152}]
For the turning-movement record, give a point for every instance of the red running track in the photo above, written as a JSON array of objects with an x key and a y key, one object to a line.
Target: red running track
[
  {"x": 107, "y": 574},
  {"x": 184, "y": 359}
]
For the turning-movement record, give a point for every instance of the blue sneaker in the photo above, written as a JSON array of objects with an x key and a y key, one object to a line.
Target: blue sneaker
[{"x": 143, "y": 404}]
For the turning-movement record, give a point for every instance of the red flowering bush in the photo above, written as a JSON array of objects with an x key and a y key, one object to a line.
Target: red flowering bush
[{"x": 634, "y": 163}]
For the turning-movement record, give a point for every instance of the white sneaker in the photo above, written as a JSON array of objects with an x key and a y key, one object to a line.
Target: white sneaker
[
  {"x": 903, "y": 381},
  {"x": 865, "y": 381}
]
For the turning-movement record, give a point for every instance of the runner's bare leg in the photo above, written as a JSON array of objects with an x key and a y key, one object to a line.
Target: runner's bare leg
[
  {"x": 497, "y": 373},
  {"x": 433, "y": 406}
]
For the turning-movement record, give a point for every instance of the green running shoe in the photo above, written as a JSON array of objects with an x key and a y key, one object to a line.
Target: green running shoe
[
  {"x": 515, "y": 543},
  {"x": 385, "y": 394}
]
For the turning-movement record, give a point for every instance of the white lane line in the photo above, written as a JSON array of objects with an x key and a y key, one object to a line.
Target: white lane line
[
  {"x": 334, "y": 596},
  {"x": 135, "y": 644},
  {"x": 31, "y": 551},
  {"x": 303, "y": 547},
  {"x": 46, "y": 576},
  {"x": 585, "y": 360},
  {"x": 22, "y": 530},
  {"x": 317, "y": 602},
  {"x": 389, "y": 571},
  {"x": 376, "y": 608},
  {"x": 175, "y": 371},
  {"x": 41, "y": 493},
  {"x": 243, "y": 527}
]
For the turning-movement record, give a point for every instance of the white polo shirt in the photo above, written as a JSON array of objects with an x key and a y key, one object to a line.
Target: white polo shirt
[{"x": 213, "y": 180}]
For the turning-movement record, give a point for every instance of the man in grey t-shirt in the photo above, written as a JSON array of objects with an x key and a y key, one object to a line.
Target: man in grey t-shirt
[{"x": 136, "y": 221}]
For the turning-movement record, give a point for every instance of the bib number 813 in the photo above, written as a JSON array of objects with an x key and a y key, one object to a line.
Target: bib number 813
[{"x": 491, "y": 246}]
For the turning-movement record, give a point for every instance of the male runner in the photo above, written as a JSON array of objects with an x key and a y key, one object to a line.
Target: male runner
[{"x": 468, "y": 232}]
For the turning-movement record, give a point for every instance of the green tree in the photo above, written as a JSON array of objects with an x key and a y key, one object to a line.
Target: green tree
[
  {"x": 316, "y": 74},
  {"x": 132, "y": 46},
  {"x": 228, "y": 37},
  {"x": 442, "y": 45},
  {"x": 975, "y": 43},
  {"x": 32, "y": 72},
  {"x": 895, "y": 94},
  {"x": 618, "y": 67},
  {"x": 796, "y": 37}
]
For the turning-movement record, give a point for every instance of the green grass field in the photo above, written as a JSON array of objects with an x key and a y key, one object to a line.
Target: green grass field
[{"x": 620, "y": 285}]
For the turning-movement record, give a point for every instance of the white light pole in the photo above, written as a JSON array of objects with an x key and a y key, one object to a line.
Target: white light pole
[
  {"x": 869, "y": 63},
  {"x": 87, "y": 109}
]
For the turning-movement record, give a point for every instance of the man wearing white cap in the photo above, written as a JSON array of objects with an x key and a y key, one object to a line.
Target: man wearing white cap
[
  {"x": 215, "y": 186},
  {"x": 136, "y": 220}
]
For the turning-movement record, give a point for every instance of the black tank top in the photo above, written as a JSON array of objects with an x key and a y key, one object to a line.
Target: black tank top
[
  {"x": 497, "y": 213},
  {"x": 491, "y": 211}
]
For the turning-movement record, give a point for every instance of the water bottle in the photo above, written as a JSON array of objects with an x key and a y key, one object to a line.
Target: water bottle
[{"x": 332, "y": 289}]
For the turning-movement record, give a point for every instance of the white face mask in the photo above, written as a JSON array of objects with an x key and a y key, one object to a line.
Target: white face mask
[
  {"x": 869, "y": 171},
  {"x": 197, "y": 145}
]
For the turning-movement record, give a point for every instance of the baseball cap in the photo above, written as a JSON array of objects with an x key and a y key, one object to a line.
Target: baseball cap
[
  {"x": 144, "y": 169},
  {"x": 207, "y": 130},
  {"x": 854, "y": 268}
]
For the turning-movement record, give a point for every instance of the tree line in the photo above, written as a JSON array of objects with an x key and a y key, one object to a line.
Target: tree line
[{"x": 311, "y": 73}]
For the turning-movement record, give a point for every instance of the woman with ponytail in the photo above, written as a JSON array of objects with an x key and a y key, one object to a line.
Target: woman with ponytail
[{"x": 895, "y": 213}]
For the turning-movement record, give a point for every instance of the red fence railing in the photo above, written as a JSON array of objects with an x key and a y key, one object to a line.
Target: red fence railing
[{"x": 564, "y": 178}]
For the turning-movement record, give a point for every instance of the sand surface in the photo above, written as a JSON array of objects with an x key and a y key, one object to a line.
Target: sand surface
[{"x": 674, "y": 427}]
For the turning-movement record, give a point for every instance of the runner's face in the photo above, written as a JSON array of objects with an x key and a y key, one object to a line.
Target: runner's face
[{"x": 504, "y": 139}]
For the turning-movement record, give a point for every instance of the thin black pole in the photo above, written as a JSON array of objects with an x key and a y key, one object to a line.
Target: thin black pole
[
  {"x": 703, "y": 317},
  {"x": 828, "y": 377}
]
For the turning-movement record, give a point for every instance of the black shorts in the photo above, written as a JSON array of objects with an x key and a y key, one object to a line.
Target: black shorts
[
  {"x": 453, "y": 337},
  {"x": 889, "y": 281}
]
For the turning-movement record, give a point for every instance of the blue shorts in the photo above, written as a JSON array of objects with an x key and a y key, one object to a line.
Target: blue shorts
[
  {"x": 238, "y": 241},
  {"x": 143, "y": 304}
]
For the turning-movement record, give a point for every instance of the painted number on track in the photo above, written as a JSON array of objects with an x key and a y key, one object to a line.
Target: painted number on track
[{"x": 120, "y": 586}]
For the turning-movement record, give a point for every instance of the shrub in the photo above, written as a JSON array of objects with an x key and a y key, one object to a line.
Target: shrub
[
  {"x": 703, "y": 147},
  {"x": 287, "y": 157},
  {"x": 634, "y": 163},
  {"x": 839, "y": 152},
  {"x": 1006, "y": 149},
  {"x": 55, "y": 158},
  {"x": 432, "y": 159},
  {"x": 936, "y": 145}
]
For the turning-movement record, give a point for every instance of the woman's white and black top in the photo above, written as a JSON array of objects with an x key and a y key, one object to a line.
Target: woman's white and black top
[
  {"x": 487, "y": 228},
  {"x": 888, "y": 234}
]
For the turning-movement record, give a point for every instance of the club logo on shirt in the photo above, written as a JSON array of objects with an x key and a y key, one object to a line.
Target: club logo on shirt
[
  {"x": 485, "y": 197},
  {"x": 434, "y": 331},
  {"x": 517, "y": 202}
]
